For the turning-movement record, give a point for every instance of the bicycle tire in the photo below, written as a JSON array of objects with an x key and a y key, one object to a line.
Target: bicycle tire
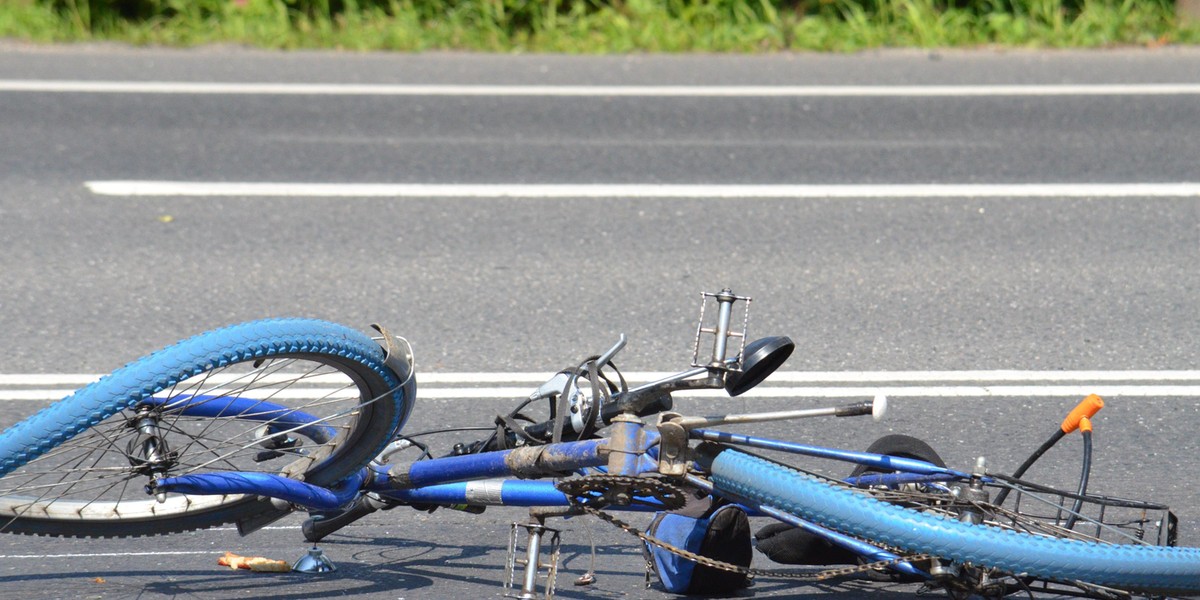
[
  {"x": 234, "y": 399},
  {"x": 1135, "y": 568}
]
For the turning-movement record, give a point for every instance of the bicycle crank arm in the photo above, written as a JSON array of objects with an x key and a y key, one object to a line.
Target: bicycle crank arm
[{"x": 317, "y": 527}]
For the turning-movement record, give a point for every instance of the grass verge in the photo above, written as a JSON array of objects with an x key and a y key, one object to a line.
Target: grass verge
[{"x": 586, "y": 26}]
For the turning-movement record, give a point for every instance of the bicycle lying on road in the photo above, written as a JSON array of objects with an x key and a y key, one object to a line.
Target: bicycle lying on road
[{"x": 249, "y": 423}]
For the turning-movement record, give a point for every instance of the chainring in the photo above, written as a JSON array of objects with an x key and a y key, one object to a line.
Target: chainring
[{"x": 599, "y": 491}]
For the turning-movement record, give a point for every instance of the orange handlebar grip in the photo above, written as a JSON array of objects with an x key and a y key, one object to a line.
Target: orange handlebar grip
[{"x": 1088, "y": 407}]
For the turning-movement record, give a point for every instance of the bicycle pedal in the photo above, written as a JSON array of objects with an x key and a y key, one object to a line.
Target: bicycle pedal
[
  {"x": 722, "y": 331},
  {"x": 532, "y": 562}
]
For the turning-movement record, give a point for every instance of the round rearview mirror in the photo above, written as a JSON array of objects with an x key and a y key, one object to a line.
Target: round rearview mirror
[{"x": 760, "y": 358}]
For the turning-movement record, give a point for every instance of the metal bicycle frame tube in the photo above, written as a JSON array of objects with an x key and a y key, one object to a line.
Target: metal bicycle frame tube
[
  {"x": 487, "y": 492},
  {"x": 526, "y": 461},
  {"x": 627, "y": 442},
  {"x": 881, "y": 461},
  {"x": 266, "y": 484},
  {"x": 870, "y": 552},
  {"x": 493, "y": 492},
  {"x": 279, "y": 417}
]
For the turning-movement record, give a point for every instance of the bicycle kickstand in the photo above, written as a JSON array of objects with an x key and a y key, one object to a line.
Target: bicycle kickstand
[{"x": 532, "y": 563}]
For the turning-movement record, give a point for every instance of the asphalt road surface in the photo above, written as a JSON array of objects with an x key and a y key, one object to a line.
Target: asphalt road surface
[{"x": 1003, "y": 230}]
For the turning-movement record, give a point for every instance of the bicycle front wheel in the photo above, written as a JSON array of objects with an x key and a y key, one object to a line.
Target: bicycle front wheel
[
  {"x": 303, "y": 398},
  {"x": 1135, "y": 568}
]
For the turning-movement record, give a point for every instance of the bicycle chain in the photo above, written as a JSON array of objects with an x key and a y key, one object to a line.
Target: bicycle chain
[
  {"x": 717, "y": 564},
  {"x": 670, "y": 497}
]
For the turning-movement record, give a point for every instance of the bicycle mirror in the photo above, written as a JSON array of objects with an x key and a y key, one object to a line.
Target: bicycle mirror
[{"x": 760, "y": 358}]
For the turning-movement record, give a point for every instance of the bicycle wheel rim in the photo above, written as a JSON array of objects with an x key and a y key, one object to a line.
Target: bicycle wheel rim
[{"x": 317, "y": 414}]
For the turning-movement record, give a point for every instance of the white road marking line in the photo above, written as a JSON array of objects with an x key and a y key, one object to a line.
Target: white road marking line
[
  {"x": 664, "y": 91},
  {"x": 109, "y": 554},
  {"x": 900, "y": 384},
  {"x": 504, "y": 393},
  {"x": 684, "y": 191},
  {"x": 777, "y": 377},
  {"x": 1000, "y": 375}
]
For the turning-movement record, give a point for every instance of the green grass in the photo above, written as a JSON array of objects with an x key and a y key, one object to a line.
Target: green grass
[{"x": 592, "y": 26}]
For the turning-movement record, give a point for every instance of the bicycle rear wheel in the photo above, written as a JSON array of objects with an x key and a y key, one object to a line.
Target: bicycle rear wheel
[
  {"x": 303, "y": 398},
  {"x": 1135, "y": 568}
]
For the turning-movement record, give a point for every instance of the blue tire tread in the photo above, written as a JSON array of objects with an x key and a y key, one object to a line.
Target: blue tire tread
[
  {"x": 125, "y": 387},
  {"x": 1155, "y": 569}
]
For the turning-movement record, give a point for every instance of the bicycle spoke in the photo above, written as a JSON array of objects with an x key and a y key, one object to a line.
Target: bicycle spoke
[
  {"x": 84, "y": 467},
  {"x": 260, "y": 374}
]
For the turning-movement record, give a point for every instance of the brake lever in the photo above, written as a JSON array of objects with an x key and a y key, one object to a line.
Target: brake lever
[
  {"x": 553, "y": 387},
  {"x": 558, "y": 383},
  {"x": 607, "y": 356}
]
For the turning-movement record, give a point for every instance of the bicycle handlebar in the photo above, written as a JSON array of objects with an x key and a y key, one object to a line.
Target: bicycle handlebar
[{"x": 1087, "y": 408}]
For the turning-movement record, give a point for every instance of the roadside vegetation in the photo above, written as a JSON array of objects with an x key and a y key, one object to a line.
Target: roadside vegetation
[{"x": 602, "y": 26}]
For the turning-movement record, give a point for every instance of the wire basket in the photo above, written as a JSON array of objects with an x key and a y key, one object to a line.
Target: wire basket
[{"x": 1044, "y": 510}]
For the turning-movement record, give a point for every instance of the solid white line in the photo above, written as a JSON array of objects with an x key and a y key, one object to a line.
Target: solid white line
[
  {"x": 914, "y": 391},
  {"x": 822, "y": 384},
  {"x": 687, "y": 191},
  {"x": 849, "y": 377},
  {"x": 665, "y": 91},
  {"x": 108, "y": 554},
  {"x": 47, "y": 379},
  {"x": 973, "y": 391},
  {"x": 1073, "y": 391},
  {"x": 977, "y": 376}
]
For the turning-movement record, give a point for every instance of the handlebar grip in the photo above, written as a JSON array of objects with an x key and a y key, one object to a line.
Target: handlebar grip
[
  {"x": 855, "y": 410},
  {"x": 315, "y": 529},
  {"x": 651, "y": 405},
  {"x": 1088, "y": 407},
  {"x": 541, "y": 430}
]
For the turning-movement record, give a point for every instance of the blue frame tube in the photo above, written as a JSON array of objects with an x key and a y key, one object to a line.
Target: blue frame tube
[
  {"x": 868, "y": 551},
  {"x": 266, "y": 484},
  {"x": 494, "y": 492},
  {"x": 871, "y": 553},
  {"x": 881, "y": 461},
  {"x": 626, "y": 446},
  {"x": 566, "y": 456},
  {"x": 281, "y": 418},
  {"x": 894, "y": 479},
  {"x": 488, "y": 492}
]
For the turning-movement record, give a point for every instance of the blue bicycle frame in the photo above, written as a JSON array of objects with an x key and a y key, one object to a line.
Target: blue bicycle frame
[
  {"x": 520, "y": 476},
  {"x": 503, "y": 478}
]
